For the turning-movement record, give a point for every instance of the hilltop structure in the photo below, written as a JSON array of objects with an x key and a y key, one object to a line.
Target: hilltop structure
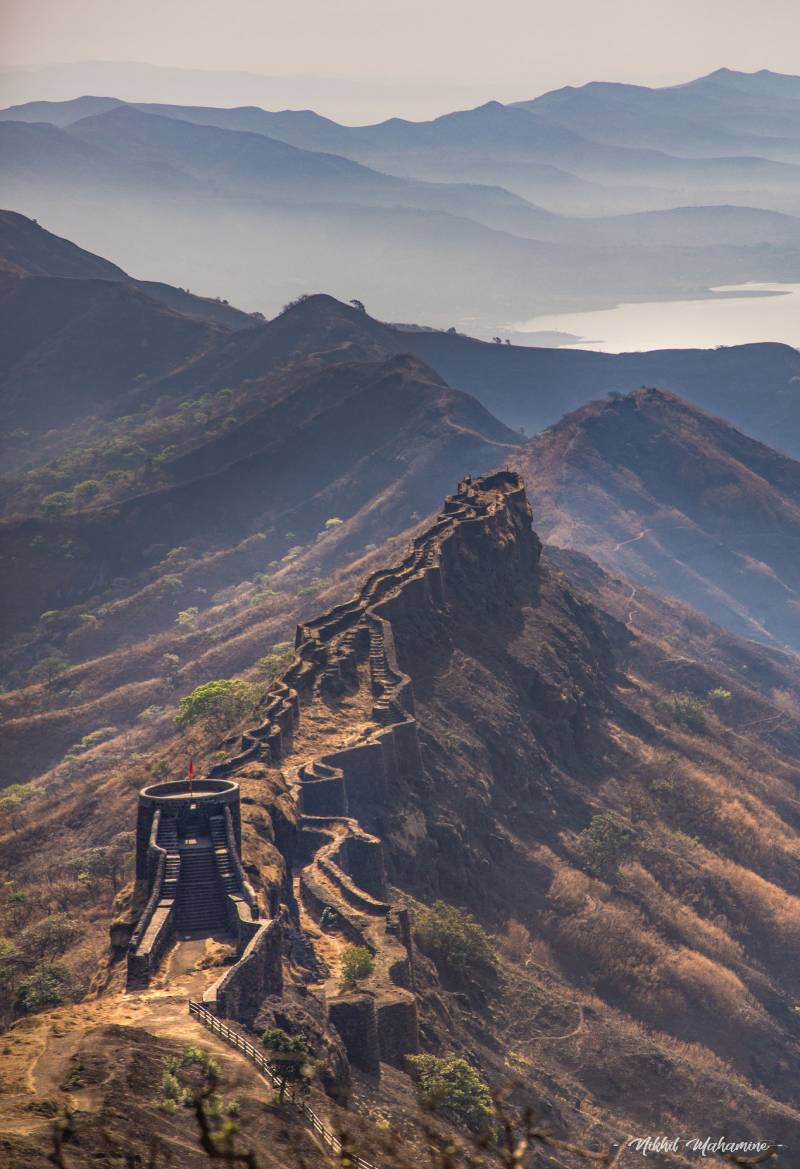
[{"x": 189, "y": 839}]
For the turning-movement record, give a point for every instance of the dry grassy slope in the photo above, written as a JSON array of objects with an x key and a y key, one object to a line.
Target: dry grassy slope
[
  {"x": 120, "y": 671},
  {"x": 654, "y": 488},
  {"x": 661, "y": 996}
]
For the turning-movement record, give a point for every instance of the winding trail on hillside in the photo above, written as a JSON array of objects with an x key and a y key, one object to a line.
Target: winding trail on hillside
[{"x": 644, "y": 532}]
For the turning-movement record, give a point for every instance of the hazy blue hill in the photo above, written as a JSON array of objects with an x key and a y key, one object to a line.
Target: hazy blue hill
[
  {"x": 59, "y": 113},
  {"x": 33, "y": 150},
  {"x": 240, "y": 161},
  {"x": 236, "y": 209},
  {"x": 207, "y": 152},
  {"x": 725, "y": 112},
  {"x": 466, "y": 145},
  {"x": 306, "y": 130},
  {"x": 37, "y": 155},
  {"x": 702, "y": 226},
  {"x": 303, "y": 128}
]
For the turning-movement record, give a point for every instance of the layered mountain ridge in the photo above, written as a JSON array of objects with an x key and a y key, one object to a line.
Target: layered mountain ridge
[{"x": 548, "y": 200}]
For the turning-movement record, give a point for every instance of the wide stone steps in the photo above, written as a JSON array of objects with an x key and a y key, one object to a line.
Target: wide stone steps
[{"x": 200, "y": 900}]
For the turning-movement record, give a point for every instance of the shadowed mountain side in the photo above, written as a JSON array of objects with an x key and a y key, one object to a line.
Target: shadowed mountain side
[
  {"x": 88, "y": 346},
  {"x": 27, "y": 249},
  {"x": 752, "y": 385},
  {"x": 652, "y": 487},
  {"x": 73, "y": 347},
  {"x": 536, "y": 713},
  {"x": 389, "y": 432},
  {"x": 318, "y": 327}
]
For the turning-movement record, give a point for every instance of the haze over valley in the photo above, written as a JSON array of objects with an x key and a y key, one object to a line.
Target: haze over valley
[{"x": 480, "y": 219}]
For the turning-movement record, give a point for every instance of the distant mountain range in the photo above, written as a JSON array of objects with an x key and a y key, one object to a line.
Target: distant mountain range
[{"x": 578, "y": 199}]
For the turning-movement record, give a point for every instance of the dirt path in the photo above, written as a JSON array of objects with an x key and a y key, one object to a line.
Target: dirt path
[
  {"x": 328, "y": 946},
  {"x": 633, "y": 539}
]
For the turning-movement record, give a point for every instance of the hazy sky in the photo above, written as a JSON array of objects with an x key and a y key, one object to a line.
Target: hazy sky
[{"x": 463, "y": 48}]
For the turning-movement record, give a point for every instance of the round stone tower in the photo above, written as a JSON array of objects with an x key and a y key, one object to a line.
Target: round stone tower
[{"x": 190, "y": 806}]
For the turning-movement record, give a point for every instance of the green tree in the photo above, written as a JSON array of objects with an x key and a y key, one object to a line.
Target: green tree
[
  {"x": 217, "y": 705},
  {"x": 56, "y": 503},
  {"x": 47, "y": 938},
  {"x": 605, "y": 843},
  {"x": 357, "y": 964},
  {"x": 274, "y": 663},
  {"x": 688, "y": 712},
  {"x": 289, "y": 1056},
  {"x": 46, "y": 986},
  {"x": 86, "y": 491},
  {"x": 170, "y": 664},
  {"x": 11, "y": 962},
  {"x": 453, "y": 938},
  {"x": 16, "y": 903},
  {"x": 107, "y": 862},
  {"x": 452, "y": 1086},
  {"x": 12, "y": 801},
  {"x": 47, "y": 670}
]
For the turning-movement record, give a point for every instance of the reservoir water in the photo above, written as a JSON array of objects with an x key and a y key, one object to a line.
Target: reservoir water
[{"x": 732, "y": 315}]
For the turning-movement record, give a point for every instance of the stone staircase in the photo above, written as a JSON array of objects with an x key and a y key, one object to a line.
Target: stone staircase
[
  {"x": 200, "y": 907},
  {"x": 222, "y": 857},
  {"x": 168, "y": 840}
]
